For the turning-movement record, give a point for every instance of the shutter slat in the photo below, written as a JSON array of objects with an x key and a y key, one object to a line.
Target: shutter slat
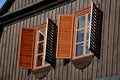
[
  {"x": 96, "y": 29},
  {"x": 25, "y": 57},
  {"x": 64, "y": 42}
]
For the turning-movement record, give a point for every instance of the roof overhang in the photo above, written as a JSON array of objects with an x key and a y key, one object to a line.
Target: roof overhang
[{"x": 29, "y": 10}]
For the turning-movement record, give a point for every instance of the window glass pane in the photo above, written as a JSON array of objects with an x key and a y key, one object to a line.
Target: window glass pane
[
  {"x": 87, "y": 35},
  {"x": 79, "y": 49},
  {"x": 39, "y": 61},
  {"x": 41, "y": 34},
  {"x": 45, "y": 62},
  {"x": 87, "y": 49},
  {"x": 88, "y": 21},
  {"x": 81, "y": 21},
  {"x": 40, "y": 48},
  {"x": 80, "y": 35}
]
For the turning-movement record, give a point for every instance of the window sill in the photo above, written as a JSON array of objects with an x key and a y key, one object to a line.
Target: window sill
[{"x": 83, "y": 61}]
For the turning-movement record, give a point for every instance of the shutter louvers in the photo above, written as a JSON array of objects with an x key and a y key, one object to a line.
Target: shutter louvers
[
  {"x": 96, "y": 29},
  {"x": 25, "y": 56},
  {"x": 64, "y": 41},
  {"x": 51, "y": 41}
]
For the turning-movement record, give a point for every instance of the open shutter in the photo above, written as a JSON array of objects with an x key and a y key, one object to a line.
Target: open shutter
[
  {"x": 25, "y": 57},
  {"x": 64, "y": 41},
  {"x": 96, "y": 29},
  {"x": 51, "y": 41}
]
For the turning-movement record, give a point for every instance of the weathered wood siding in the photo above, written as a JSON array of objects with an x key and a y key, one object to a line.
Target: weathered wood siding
[
  {"x": 21, "y": 3},
  {"x": 108, "y": 64}
]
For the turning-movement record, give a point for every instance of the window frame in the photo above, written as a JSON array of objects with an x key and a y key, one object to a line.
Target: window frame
[
  {"x": 37, "y": 28},
  {"x": 76, "y": 15}
]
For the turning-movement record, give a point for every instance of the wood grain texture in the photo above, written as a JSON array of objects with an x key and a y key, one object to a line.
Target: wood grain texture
[{"x": 64, "y": 42}]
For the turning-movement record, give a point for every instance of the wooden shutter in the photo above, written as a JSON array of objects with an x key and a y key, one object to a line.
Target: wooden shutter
[
  {"x": 96, "y": 29},
  {"x": 25, "y": 57},
  {"x": 64, "y": 41},
  {"x": 51, "y": 41}
]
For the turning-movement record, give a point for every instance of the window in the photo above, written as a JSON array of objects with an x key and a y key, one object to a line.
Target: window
[
  {"x": 37, "y": 48},
  {"x": 39, "y": 57},
  {"x": 81, "y": 33}
]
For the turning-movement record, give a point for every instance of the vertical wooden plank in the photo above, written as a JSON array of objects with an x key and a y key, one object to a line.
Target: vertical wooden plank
[
  {"x": 80, "y": 77},
  {"x": 57, "y": 60},
  {"x": 118, "y": 58},
  {"x": 84, "y": 4},
  {"x": 94, "y": 72},
  {"x": 74, "y": 6},
  {"x": 89, "y": 75},
  {"x": 9, "y": 53},
  {"x": 6, "y": 53},
  {"x": 81, "y": 4},
  {"x": 116, "y": 39},
  {"x": 2, "y": 52},
  {"x": 11, "y": 57},
  {"x": 14, "y": 56},
  {"x": 84, "y": 74},
  {"x": 99, "y": 61},
  {"x": 38, "y": 19},
  {"x": 110, "y": 37},
  {"x": 77, "y": 5},
  {"x": 42, "y": 18},
  {"x": 69, "y": 8},
  {"x": 105, "y": 33}
]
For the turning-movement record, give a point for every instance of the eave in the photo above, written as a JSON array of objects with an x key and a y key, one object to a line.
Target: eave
[{"x": 29, "y": 10}]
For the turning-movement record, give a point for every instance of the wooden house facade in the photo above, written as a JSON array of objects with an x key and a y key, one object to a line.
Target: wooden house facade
[{"x": 30, "y": 14}]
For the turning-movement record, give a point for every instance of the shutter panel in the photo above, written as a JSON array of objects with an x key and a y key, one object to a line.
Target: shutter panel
[
  {"x": 64, "y": 43},
  {"x": 51, "y": 41},
  {"x": 25, "y": 57},
  {"x": 96, "y": 29}
]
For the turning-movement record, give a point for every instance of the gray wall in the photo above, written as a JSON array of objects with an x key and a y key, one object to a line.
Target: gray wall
[{"x": 108, "y": 64}]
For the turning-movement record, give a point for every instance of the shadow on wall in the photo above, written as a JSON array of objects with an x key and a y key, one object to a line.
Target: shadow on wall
[{"x": 1, "y": 31}]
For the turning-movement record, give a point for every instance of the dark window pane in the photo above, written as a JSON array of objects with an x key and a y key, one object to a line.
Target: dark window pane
[
  {"x": 80, "y": 35},
  {"x": 81, "y": 21},
  {"x": 79, "y": 49},
  {"x": 39, "y": 61},
  {"x": 87, "y": 49},
  {"x": 88, "y": 21},
  {"x": 41, "y": 34},
  {"x": 40, "y": 48},
  {"x": 45, "y": 62},
  {"x": 87, "y": 35}
]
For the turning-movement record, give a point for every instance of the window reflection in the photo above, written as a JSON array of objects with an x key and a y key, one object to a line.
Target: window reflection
[
  {"x": 87, "y": 49},
  {"x": 41, "y": 35},
  {"x": 40, "y": 48},
  {"x": 79, "y": 49},
  {"x": 81, "y": 21},
  {"x": 80, "y": 35},
  {"x": 87, "y": 35},
  {"x": 88, "y": 21},
  {"x": 39, "y": 61}
]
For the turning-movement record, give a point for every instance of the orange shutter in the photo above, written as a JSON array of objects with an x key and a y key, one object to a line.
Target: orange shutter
[
  {"x": 25, "y": 56},
  {"x": 64, "y": 41}
]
